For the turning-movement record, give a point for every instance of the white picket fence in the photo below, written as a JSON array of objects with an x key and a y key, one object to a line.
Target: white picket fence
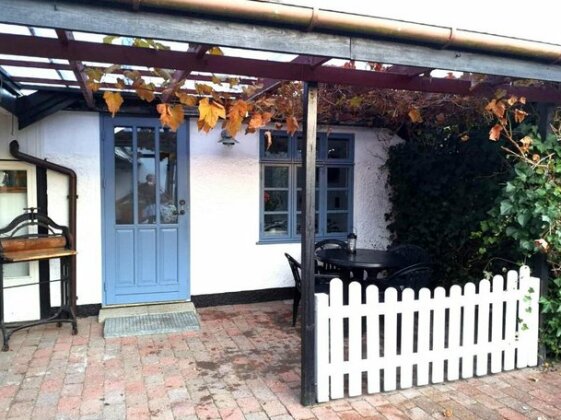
[{"x": 429, "y": 338}]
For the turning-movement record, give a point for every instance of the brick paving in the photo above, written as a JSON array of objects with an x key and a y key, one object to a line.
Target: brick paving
[{"x": 243, "y": 364}]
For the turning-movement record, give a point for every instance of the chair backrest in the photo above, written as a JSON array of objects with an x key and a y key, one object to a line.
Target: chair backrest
[
  {"x": 295, "y": 267},
  {"x": 330, "y": 243},
  {"x": 410, "y": 254},
  {"x": 415, "y": 276}
]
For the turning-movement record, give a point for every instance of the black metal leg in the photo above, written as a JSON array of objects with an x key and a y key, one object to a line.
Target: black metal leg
[
  {"x": 5, "y": 335},
  {"x": 68, "y": 293}
]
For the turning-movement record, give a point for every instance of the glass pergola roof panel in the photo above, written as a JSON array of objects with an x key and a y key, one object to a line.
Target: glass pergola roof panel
[{"x": 31, "y": 72}]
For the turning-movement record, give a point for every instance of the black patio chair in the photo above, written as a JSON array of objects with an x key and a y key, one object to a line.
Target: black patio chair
[
  {"x": 410, "y": 254},
  {"x": 321, "y": 284},
  {"x": 325, "y": 268},
  {"x": 415, "y": 276}
]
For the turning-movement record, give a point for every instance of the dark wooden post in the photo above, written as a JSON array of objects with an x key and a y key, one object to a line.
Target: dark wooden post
[
  {"x": 538, "y": 263},
  {"x": 308, "y": 371}
]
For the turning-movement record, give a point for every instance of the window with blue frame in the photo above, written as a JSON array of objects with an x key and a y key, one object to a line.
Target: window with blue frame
[{"x": 282, "y": 180}]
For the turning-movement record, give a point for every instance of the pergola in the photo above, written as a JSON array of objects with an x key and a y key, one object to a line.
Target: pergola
[{"x": 303, "y": 42}]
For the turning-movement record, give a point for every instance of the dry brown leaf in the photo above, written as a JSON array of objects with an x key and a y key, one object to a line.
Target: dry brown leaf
[
  {"x": 519, "y": 115},
  {"x": 495, "y": 132},
  {"x": 292, "y": 125},
  {"x": 185, "y": 99},
  {"x": 269, "y": 139},
  {"x": 114, "y": 100},
  {"x": 512, "y": 100},
  {"x": 236, "y": 114},
  {"x": 215, "y": 51},
  {"x": 415, "y": 115},
  {"x": 255, "y": 122},
  {"x": 171, "y": 115},
  {"x": 203, "y": 89},
  {"x": 522, "y": 100},
  {"x": 498, "y": 108},
  {"x": 216, "y": 80},
  {"x": 447, "y": 412}
]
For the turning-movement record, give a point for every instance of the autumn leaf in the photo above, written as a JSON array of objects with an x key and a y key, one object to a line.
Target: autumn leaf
[
  {"x": 216, "y": 80},
  {"x": 109, "y": 39},
  {"x": 512, "y": 100},
  {"x": 266, "y": 117},
  {"x": 498, "y": 108},
  {"x": 519, "y": 115},
  {"x": 94, "y": 73},
  {"x": 535, "y": 158},
  {"x": 236, "y": 113},
  {"x": 447, "y": 412},
  {"x": 500, "y": 93},
  {"x": 415, "y": 115},
  {"x": 543, "y": 247},
  {"x": 186, "y": 99},
  {"x": 522, "y": 100},
  {"x": 254, "y": 123},
  {"x": 292, "y": 125},
  {"x": 171, "y": 115},
  {"x": 526, "y": 143},
  {"x": 209, "y": 112},
  {"x": 495, "y": 132},
  {"x": 203, "y": 89},
  {"x": 349, "y": 65},
  {"x": 355, "y": 102},
  {"x": 464, "y": 138},
  {"x": 234, "y": 81},
  {"x": 114, "y": 100},
  {"x": 144, "y": 91},
  {"x": 269, "y": 139},
  {"x": 215, "y": 51},
  {"x": 278, "y": 125},
  {"x": 164, "y": 74},
  {"x": 93, "y": 86},
  {"x": 440, "y": 118}
]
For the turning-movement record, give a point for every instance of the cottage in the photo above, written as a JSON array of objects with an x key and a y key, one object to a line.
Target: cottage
[{"x": 173, "y": 216}]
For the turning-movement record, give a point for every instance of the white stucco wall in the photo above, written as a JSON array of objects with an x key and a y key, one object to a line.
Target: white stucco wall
[
  {"x": 70, "y": 139},
  {"x": 225, "y": 256},
  {"x": 224, "y": 202}
]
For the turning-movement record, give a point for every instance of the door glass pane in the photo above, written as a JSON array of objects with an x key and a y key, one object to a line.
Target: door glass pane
[
  {"x": 168, "y": 176},
  {"x": 123, "y": 155},
  {"x": 337, "y": 222},
  {"x": 276, "y": 224},
  {"x": 338, "y": 148},
  {"x": 146, "y": 167},
  {"x": 13, "y": 199},
  {"x": 276, "y": 177}
]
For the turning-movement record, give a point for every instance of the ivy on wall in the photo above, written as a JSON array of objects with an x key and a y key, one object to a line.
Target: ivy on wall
[{"x": 442, "y": 188}]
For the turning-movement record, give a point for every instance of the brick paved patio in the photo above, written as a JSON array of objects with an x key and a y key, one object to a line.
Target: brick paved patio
[{"x": 244, "y": 363}]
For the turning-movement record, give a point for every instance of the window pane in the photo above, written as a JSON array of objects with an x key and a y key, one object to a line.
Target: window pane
[
  {"x": 277, "y": 148},
  {"x": 299, "y": 200},
  {"x": 276, "y": 177},
  {"x": 146, "y": 164},
  {"x": 13, "y": 199},
  {"x": 338, "y": 148},
  {"x": 276, "y": 200},
  {"x": 168, "y": 176},
  {"x": 276, "y": 224},
  {"x": 123, "y": 151},
  {"x": 300, "y": 177},
  {"x": 337, "y": 200},
  {"x": 337, "y": 177},
  {"x": 337, "y": 222},
  {"x": 300, "y": 146},
  {"x": 299, "y": 223}
]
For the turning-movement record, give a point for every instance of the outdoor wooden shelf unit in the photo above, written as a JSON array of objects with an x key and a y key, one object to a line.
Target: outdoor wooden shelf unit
[{"x": 17, "y": 245}]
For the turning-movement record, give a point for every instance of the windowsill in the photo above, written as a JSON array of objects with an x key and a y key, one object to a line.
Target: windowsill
[{"x": 274, "y": 241}]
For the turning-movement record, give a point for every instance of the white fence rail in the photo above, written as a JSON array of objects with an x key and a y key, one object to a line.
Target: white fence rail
[{"x": 382, "y": 345}]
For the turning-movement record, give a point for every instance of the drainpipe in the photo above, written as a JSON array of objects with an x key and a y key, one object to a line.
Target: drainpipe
[
  {"x": 308, "y": 18},
  {"x": 72, "y": 197}
]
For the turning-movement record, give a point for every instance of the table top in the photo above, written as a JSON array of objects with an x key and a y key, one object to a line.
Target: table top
[{"x": 363, "y": 258}]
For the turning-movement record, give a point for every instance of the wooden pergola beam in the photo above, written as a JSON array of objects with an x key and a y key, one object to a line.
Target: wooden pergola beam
[
  {"x": 408, "y": 70},
  {"x": 179, "y": 75},
  {"x": 78, "y": 69},
  {"x": 270, "y": 84},
  {"x": 118, "y": 54}
]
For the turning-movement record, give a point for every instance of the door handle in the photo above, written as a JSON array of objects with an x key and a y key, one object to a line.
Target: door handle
[{"x": 181, "y": 206}]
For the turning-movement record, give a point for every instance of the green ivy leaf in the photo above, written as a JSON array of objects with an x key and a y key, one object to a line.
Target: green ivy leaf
[{"x": 506, "y": 207}]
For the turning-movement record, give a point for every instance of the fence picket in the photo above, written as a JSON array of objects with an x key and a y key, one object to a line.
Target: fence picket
[
  {"x": 337, "y": 342},
  {"x": 373, "y": 339},
  {"x": 454, "y": 329},
  {"x": 497, "y": 323},
  {"x": 470, "y": 325},
  {"x": 438, "y": 326},
  {"x": 355, "y": 339},
  {"x": 322, "y": 343},
  {"x": 390, "y": 339},
  {"x": 482, "y": 327},
  {"x": 407, "y": 333},
  {"x": 468, "y": 333},
  {"x": 423, "y": 339},
  {"x": 510, "y": 319}
]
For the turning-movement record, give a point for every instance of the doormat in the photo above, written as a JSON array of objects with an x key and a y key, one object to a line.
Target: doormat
[{"x": 128, "y": 326}]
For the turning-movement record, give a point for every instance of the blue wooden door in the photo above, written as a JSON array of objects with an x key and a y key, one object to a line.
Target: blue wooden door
[{"x": 146, "y": 211}]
